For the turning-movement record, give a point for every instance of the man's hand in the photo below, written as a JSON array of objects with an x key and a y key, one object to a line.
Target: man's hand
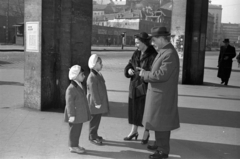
[
  {"x": 98, "y": 106},
  {"x": 71, "y": 119},
  {"x": 131, "y": 72},
  {"x": 141, "y": 71}
]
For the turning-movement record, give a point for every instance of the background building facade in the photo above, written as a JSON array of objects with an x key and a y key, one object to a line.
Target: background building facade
[
  {"x": 216, "y": 11},
  {"x": 231, "y": 32}
]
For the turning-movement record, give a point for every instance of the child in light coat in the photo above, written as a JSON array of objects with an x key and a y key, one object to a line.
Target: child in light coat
[{"x": 76, "y": 110}]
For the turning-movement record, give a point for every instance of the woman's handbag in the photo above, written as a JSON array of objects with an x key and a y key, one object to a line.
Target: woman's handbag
[{"x": 141, "y": 90}]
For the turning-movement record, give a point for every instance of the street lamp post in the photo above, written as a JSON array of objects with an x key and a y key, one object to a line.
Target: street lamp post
[
  {"x": 123, "y": 39},
  {"x": 7, "y": 22}
]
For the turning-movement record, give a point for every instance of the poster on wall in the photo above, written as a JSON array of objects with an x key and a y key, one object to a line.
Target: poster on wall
[{"x": 32, "y": 36}]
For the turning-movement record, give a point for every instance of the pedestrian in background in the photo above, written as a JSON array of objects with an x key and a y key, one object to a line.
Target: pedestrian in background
[
  {"x": 238, "y": 59},
  {"x": 227, "y": 53},
  {"x": 143, "y": 58},
  {"x": 161, "y": 108},
  {"x": 97, "y": 98},
  {"x": 76, "y": 110}
]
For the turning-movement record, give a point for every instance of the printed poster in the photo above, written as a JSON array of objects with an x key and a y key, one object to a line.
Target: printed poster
[{"x": 32, "y": 36}]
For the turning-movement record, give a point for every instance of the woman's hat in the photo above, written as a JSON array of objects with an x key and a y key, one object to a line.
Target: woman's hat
[
  {"x": 74, "y": 71},
  {"x": 142, "y": 36},
  {"x": 226, "y": 40},
  {"x": 92, "y": 60},
  {"x": 159, "y": 31}
]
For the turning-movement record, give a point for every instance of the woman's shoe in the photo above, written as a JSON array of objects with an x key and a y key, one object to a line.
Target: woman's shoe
[
  {"x": 144, "y": 142},
  {"x": 131, "y": 136}
]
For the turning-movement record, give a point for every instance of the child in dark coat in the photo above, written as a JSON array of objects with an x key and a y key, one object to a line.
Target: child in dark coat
[
  {"x": 76, "y": 110},
  {"x": 97, "y": 98}
]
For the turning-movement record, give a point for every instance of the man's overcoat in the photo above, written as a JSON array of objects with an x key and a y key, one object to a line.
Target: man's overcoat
[
  {"x": 161, "y": 107},
  {"x": 225, "y": 65}
]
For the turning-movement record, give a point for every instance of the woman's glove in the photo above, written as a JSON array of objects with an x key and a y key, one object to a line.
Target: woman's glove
[{"x": 131, "y": 72}]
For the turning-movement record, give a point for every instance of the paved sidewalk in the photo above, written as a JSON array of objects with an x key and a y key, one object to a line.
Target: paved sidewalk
[{"x": 209, "y": 115}]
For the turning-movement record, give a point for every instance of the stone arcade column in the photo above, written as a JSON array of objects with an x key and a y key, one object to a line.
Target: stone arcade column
[
  {"x": 57, "y": 36},
  {"x": 195, "y": 41}
]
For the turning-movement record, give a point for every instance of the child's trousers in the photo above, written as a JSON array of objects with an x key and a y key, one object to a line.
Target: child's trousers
[
  {"x": 74, "y": 134},
  {"x": 93, "y": 125}
]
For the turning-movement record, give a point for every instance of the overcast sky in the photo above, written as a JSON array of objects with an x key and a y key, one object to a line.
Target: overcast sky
[{"x": 231, "y": 10}]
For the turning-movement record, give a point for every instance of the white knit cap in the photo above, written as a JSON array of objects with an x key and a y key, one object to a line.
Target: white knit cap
[
  {"x": 92, "y": 61},
  {"x": 74, "y": 71}
]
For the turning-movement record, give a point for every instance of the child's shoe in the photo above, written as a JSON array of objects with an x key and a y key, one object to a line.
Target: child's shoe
[
  {"x": 77, "y": 150},
  {"x": 82, "y": 148}
]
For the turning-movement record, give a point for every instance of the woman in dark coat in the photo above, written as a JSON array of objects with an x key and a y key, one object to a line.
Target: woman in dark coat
[
  {"x": 227, "y": 53},
  {"x": 143, "y": 57}
]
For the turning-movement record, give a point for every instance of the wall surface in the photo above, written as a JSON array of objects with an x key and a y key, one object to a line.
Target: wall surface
[{"x": 64, "y": 40}]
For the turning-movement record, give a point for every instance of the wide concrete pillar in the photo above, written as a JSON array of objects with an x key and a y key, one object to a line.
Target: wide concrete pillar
[
  {"x": 195, "y": 41},
  {"x": 57, "y": 36}
]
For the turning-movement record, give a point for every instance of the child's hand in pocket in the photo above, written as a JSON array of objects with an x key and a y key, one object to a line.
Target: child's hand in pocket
[
  {"x": 98, "y": 106},
  {"x": 71, "y": 119}
]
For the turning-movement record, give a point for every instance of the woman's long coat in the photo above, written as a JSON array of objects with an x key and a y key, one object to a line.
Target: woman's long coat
[
  {"x": 76, "y": 104},
  {"x": 137, "y": 87},
  {"x": 225, "y": 66},
  {"x": 161, "y": 108},
  {"x": 97, "y": 93}
]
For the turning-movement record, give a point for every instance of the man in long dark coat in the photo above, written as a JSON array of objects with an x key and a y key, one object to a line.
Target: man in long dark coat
[
  {"x": 161, "y": 106},
  {"x": 227, "y": 53}
]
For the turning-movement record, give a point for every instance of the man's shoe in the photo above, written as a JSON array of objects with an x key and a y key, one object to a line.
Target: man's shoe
[
  {"x": 152, "y": 147},
  {"x": 158, "y": 155},
  {"x": 76, "y": 150}
]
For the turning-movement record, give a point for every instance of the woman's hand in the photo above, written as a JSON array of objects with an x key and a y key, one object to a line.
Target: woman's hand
[{"x": 131, "y": 72}]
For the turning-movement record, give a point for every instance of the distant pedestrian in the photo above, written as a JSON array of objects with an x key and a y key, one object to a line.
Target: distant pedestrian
[
  {"x": 76, "y": 110},
  {"x": 227, "y": 53},
  {"x": 97, "y": 98},
  {"x": 142, "y": 57},
  {"x": 161, "y": 107},
  {"x": 238, "y": 59}
]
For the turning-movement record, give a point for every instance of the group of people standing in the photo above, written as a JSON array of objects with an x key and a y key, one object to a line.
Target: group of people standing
[
  {"x": 153, "y": 94},
  {"x": 82, "y": 106},
  {"x": 153, "y": 91}
]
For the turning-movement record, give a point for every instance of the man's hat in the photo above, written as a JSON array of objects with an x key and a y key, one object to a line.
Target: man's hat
[
  {"x": 159, "y": 31},
  {"x": 226, "y": 40}
]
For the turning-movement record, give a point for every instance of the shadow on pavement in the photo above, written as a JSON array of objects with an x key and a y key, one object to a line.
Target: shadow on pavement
[
  {"x": 213, "y": 68},
  {"x": 135, "y": 144},
  {"x": 124, "y": 154},
  {"x": 209, "y": 117},
  {"x": 194, "y": 96},
  {"x": 218, "y": 85},
  {"x": 11, "y": 83},
  {"x": 191, "y": 149},
  {"x": 118, "y": 110},
  {"x": 189, "y": 115},
  {"x": 4, "y": 63}
]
